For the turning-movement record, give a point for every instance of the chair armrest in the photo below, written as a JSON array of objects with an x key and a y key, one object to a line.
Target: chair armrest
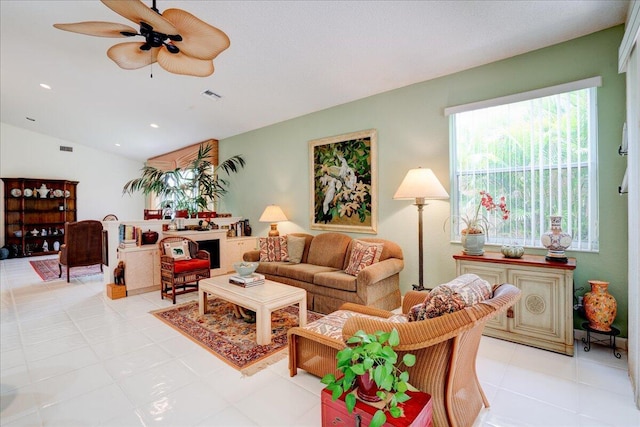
[
  {"x": 415, "y": 335},
  {"x": 363, "y": 309},
  {"x": 412, "y": 298},
  {"x": 379, "y": 271},
  {"x": 251, "y": 256},
  {"x": 203, "y": 255}
]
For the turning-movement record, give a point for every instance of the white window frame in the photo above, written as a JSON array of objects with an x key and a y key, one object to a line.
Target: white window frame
[{"x": 589, "y": 244}]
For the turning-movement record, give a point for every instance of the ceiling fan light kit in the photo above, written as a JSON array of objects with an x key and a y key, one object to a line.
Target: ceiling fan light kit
[{"x": 177, "y": 40}]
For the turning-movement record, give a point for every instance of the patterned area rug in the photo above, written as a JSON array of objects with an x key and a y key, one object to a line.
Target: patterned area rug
[
  {"x": 48, "y": 270},
  {"x": 233, "y": 340}
]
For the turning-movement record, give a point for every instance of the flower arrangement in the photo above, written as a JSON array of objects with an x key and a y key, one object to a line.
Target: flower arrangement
[{"x": 479, "y": 223}]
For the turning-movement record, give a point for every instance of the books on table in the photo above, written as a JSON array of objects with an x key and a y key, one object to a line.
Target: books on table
[{"x": 254, "y": 279}]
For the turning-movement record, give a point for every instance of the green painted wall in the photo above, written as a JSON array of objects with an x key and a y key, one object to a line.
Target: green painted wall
[{"x": 413, "y": 131}]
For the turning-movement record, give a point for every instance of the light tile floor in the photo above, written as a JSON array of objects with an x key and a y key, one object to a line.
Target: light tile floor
[{"x": 72, "y": 357}]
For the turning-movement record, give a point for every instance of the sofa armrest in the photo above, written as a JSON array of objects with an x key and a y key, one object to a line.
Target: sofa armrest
[
  {"x": 251, "y": 256},
  {"x": 412, "y": 298},
  {"x": 379, "y": 271}
]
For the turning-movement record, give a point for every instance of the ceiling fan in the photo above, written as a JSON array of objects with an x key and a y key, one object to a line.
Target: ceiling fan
[{"x": 177, "y": 40}]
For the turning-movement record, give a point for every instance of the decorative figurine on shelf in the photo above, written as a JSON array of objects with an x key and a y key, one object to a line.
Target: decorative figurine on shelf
[
  {"x": 167, "y": 212},
  {"x": 45, "y": 246},
  {"x": 118, "y": 274}
]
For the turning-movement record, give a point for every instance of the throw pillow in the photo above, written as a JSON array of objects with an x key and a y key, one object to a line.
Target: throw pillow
[
  {"x": 273, "y": 249},
  {"x": 463, "y": 291},
  {"x": 441, "y": 300},
  {"x": 295, "y": 248},
  {"x": 363, "y": 255},
  {"x": 179, "y": 250}
]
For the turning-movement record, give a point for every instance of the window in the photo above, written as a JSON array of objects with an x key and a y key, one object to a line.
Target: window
[{"x": 539, "y": 150}]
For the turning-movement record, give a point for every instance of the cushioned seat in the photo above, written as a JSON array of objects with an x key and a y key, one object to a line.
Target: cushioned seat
[
  {"x": 190, "y": 265},
  {"x": 445, "y": 348}
]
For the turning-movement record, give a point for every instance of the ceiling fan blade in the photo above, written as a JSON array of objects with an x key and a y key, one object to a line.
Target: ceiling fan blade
[
  {"x": 138, "y": 12},
  {"x": 97, "y": 28},
  {"x": 199, "y": 39},
  {"x": 179, "y": 63},
  {"x": 130, "y": 57}
]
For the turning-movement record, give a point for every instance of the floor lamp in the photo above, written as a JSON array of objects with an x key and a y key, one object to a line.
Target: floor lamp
[{"x": 420, "y": 184}]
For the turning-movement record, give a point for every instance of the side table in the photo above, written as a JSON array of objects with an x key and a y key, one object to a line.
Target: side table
[
  {"x": 418, "y": 412},
  {"x": 611, "y": 338}
]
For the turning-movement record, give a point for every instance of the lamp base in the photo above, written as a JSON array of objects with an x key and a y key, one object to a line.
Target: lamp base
[
  {"x": 420, "y": 287},
  {"x": 274, "y": 230}
]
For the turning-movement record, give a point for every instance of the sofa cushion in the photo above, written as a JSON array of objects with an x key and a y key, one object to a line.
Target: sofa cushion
[
  {"x": 295, "y": 248},
  {"x": 329, "y": 250},
  {"x": 273, "y": 249},
  {"x": 178, "y": 249},
  {"x": 302, "y": 272},
  {"x": 336, "y": 280},
  {"x": 270, "y": 268},
  {"x": 363, "y": 255},
  {"x": 463, "y": 291}
]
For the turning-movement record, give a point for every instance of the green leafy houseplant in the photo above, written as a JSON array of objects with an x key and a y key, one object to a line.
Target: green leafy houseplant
[
  {"x": 195, "y": 187},
  {"x": 373, "y": 354}
]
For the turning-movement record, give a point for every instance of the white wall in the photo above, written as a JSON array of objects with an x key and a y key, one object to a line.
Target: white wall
[{"x": 101, "y": 175}]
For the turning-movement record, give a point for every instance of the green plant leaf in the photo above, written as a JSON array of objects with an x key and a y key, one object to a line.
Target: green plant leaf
[
  {"x": 394, "y": 338},
  {"x": 378, "y": 419},
  {"x": 358, "y": 369},
  {"x": 350, "y": 401},
  {"x": 409, "y": 359},
  {"x": 402, "y": 397},
  {"x": 395, "y": 412},
  {"x": 328, "y": 379}
]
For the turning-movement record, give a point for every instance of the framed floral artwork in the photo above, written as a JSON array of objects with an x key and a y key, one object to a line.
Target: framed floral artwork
[{"x": 344, "y": 182}]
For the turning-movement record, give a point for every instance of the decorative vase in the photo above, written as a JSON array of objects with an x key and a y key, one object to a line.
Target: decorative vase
[
  {"x": 600, "y": 306},
  {"x": 472, "y": 243},
  {"x": 367, "y": 388},
  {"x": 556, "y": 240},
  {"x": 43, "y": 191}
]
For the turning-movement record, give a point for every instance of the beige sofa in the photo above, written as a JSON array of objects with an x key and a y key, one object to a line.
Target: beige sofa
[{"x": 321, "y": 273}]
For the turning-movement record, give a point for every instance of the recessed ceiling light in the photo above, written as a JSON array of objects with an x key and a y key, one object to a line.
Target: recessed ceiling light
[
  {"x": 153, "y": 125},
  {"x": 31, "y": 119},
  {"x": 44, "y": 85},
  {"x": 117, "y": 145}
]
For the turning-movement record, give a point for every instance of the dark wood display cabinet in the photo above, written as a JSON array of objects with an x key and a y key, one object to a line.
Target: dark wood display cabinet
[{"x": 35, "y": 211}]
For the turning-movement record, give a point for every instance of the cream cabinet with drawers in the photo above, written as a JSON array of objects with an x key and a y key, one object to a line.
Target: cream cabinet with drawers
[
  {"x": 141, "y": 268},
  {"x": 543, "y": 317}
]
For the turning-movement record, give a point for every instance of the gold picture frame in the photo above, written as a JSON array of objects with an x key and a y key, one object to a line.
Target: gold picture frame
[{"x": 344, "y": 182}]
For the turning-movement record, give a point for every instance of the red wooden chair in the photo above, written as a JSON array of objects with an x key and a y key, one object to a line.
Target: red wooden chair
[{"x": 182, "y": 266}]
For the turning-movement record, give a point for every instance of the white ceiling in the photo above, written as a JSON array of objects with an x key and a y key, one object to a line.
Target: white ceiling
[{"x": 287, "y": 59}]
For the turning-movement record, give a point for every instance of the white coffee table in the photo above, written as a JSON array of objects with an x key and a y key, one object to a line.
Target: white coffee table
[{"x": 263, "y": 299}]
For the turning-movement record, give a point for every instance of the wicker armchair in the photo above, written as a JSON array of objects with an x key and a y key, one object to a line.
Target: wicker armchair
[
  {"x": 180, "y": 276},
  {"x": 82, "y": 245},
  {"x": 445, "y": 349}
]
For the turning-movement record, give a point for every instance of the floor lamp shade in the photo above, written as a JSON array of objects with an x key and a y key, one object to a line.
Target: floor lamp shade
[
  {"x": 273, "y": 214},
  {"x": 420, "y": 184}
]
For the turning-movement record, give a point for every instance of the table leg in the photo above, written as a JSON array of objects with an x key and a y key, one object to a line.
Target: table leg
[
  {"x": 263, "y": 326},
  {"x": 202, "y": 302},
  {"x": 302, "y": 311}
]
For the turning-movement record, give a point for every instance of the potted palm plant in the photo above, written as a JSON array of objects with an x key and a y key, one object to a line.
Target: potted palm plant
[
  {"x": 196, "y": 187},
  {"x": 369, "y": 361}
]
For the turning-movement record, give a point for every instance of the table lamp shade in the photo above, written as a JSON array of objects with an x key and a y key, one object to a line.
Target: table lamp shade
[
  {"x": 421, "y": 184},
  {"x": 273, "y": 214}
]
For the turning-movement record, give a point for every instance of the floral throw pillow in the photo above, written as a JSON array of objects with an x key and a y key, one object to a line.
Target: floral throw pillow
[
  {"x": 179, "y": 250},
  {"x": 463, "y": 291},
  {"x": 273, "y": 249},
  {"x": 363, "y": 255}
]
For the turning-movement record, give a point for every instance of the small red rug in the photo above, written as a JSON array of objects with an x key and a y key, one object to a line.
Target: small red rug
[
  {"x": 48, "y": 270},
  {"x": 230, "y": 339}
]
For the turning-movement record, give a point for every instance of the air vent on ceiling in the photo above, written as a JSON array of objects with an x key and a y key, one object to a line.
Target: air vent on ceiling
[
  {"x": 64, "y": 148},
  {"x": 211, "y": 95}
]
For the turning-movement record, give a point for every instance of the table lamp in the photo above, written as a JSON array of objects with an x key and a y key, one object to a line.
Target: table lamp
[
  {"x": 273, "y": 214},
  {"x": 420, "y": 184}
]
